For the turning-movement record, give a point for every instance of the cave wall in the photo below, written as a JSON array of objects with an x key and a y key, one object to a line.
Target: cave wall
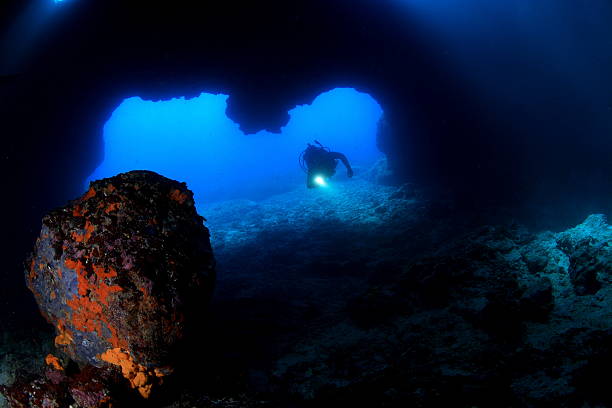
[{"x": 525, "y": 135}]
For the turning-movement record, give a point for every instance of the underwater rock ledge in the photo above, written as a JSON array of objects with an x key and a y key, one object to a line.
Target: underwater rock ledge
[
  {"x": 122, "y": 273},
  {"x": 374, "y": 295},
  {"x": 497, "y": 317}
]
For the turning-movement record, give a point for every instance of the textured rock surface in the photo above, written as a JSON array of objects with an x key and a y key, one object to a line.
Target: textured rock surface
[
  {"x": 370, "y": 295},
  {"x": 121, "y": 271},
  {"x": 89, "y": 388},
  {"x": 21, "y": 356},
  {"x": 495, "y": 315},
  {"x": 364, "y": 294}
]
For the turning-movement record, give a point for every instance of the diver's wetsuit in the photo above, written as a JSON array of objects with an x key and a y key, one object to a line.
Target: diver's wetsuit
[{"x": 321, "y": 162}]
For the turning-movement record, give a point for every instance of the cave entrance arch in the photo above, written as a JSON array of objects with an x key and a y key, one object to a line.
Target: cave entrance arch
[{"x": 193, "y": 140}]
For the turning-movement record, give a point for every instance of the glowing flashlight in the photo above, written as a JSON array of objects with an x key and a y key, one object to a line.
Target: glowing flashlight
[{"x": 320, "y": 181}]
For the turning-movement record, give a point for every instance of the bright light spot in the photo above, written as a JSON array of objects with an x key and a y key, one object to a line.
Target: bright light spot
[
  {"x": 193, "y": 140},
  {"x": 320, "y": 181}
]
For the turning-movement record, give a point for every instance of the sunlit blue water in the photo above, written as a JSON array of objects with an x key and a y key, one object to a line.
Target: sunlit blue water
[{"x": 194, "y": 141}]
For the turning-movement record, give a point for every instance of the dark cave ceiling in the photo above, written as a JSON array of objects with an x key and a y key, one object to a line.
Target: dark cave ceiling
[
  {"x": 267, "y": 58},
  {"x": 270, "y": 57}
]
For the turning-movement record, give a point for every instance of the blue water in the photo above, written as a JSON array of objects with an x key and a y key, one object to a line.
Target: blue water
[{"x": 193, "y": 140}]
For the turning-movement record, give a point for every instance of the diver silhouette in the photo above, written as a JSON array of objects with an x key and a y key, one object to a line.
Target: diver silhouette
[{"x": 320, "y": 163}]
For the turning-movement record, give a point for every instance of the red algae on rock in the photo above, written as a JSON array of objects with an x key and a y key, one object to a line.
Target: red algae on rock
[
  {"x": 122, "y": 272},
  {"x": 178, "y": 196}
]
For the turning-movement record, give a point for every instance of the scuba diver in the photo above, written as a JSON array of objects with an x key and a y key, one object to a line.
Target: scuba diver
[{"x": 320, "y": 163}]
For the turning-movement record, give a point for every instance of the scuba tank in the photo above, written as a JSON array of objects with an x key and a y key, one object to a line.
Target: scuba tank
[{"x": 310, "y": 147}]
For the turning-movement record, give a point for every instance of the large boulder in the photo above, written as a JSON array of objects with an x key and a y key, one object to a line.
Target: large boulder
[
  {"x": 589, "y": 253},
  {"x": 122, "y": 273}
]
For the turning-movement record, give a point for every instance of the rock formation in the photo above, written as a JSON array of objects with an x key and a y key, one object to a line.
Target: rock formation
[
  {"x": 376, "y": 295},
  {"x": 122, "y": 272}
]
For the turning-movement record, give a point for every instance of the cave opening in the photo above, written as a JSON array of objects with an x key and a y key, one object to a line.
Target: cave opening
[{"x": 193, "y": 140}]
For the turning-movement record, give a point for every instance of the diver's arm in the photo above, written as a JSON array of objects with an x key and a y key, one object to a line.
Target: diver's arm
[{"x": 344, "y": 160}]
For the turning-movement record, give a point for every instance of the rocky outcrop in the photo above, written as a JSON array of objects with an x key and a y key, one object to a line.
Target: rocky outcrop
[
  {"x": 363, "y": 294},
  {"x": 590, "y": 255},
  {"x": 122, "y": 273},
  {"x": 497, "y": 314},
  {"x": 89, "y": 388}
]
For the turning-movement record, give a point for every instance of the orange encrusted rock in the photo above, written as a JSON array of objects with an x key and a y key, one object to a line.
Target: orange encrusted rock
[
  {"x": 90, "y": 193},
  {"x": 53, "y": 362},
  {"x": 139, "y": 376},
  {"x": 178, "y": 196},
  {"x": 122, "y": 272},
  {"x": 63, "y": 337},
  {"x": 111, "y": 207}
]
